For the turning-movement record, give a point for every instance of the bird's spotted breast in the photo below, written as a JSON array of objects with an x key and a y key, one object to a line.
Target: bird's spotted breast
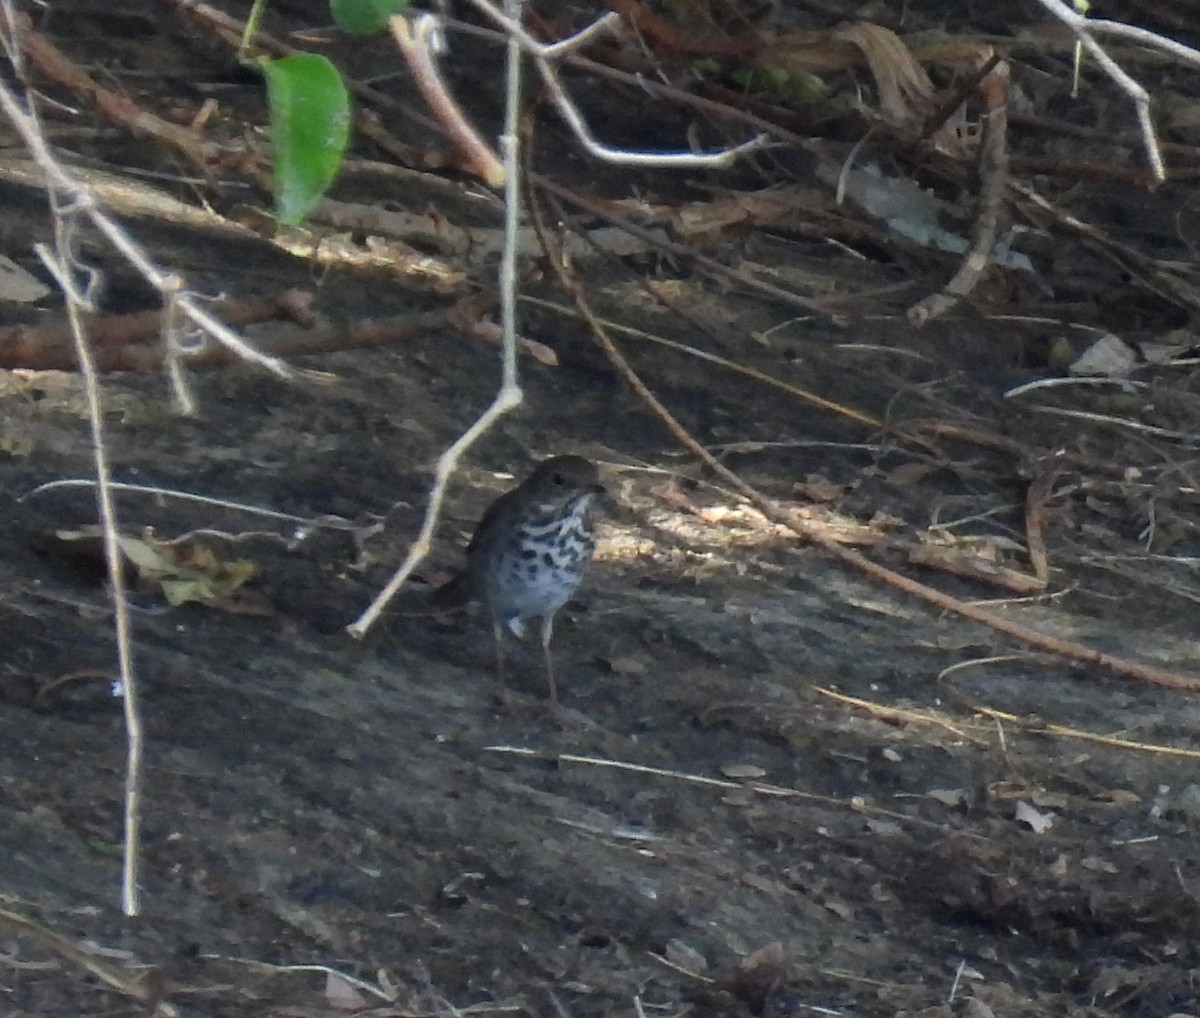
[
  {"x": 542, "y": 562},
  {"x": 531, "y": 549}
]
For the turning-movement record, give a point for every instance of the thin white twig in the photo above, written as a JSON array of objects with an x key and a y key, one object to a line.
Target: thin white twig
[
  {"x": 958, "y": 972},
  {"x": 579, "y": 39},
  {"x": 1120, "y": 422},
  {"x": 60, "y": 261},
  {"x": 1142, "y": 35},
  {"x": 510, "y": 394},
  {"x": 1138, "y": 95},
  {"x": 175, "y": 349},
  {"x": 542, "y": 57},
  {"x": 70, "y": 200},
  {"x": 630, "y": 157},
  {"x": 1050, "y": 383},
  {"x": 1085, "y": 30},
  {"x": 64, "y": 264},
  {"x": 80, "y": 199},
  {"x": 305, "y": 523}
]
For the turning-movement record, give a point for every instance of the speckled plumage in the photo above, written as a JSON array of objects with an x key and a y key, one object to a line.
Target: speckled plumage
[{"x": 530, "y": 551}]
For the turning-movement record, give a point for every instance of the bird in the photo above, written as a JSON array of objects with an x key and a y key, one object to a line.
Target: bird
[{"x": 529, "y": 552}]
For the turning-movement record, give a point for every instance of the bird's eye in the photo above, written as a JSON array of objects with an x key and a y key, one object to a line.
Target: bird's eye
[{"x": 559, "y": 479}]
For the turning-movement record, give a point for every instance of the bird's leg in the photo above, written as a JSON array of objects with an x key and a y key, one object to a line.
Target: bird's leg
[
  {"x": 498, "y": 634},
  {"x": 547, "y": 632}
]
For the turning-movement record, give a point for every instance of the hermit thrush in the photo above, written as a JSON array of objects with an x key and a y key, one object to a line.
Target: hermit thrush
[{"x": 530, "y": 551}]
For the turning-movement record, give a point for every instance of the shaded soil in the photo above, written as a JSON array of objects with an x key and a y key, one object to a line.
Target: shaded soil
[{"x": 702, "y": 828}]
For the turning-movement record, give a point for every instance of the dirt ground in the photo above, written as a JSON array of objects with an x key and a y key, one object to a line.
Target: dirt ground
[{"x": 776, "y": 785}]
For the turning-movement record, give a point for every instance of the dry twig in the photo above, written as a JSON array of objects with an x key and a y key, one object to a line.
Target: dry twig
[
  {"x": 509, "y": 394},
  {"x": 1086, "y": 29},
  {"x": 993, "y": 173},
  {"x": 802, "y": 528}
]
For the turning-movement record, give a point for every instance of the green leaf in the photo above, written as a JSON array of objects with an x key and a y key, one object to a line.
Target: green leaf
[
  {"x": 310, "y": 125},
  {"x": 364, "y": 17}
]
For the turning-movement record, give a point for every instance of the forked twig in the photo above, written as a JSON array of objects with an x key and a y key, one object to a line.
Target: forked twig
[
  {"x": 82, "y": 202},
  {"x": 1086, "y": 29},
  {"x": 509, "y": 395},
  {"x": 418, "y": 44}
]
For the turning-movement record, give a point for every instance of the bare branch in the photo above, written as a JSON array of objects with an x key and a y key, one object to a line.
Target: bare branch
[
  {"x": 510, "y": 394},
  {"x": 1085, "y": 30},
  {"x": 542, "y": 57}
]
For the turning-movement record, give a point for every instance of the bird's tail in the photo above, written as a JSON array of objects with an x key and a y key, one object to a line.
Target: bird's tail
[
  {"x": 422, "y": 602},
  {"x": 454, "y": 593}
]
